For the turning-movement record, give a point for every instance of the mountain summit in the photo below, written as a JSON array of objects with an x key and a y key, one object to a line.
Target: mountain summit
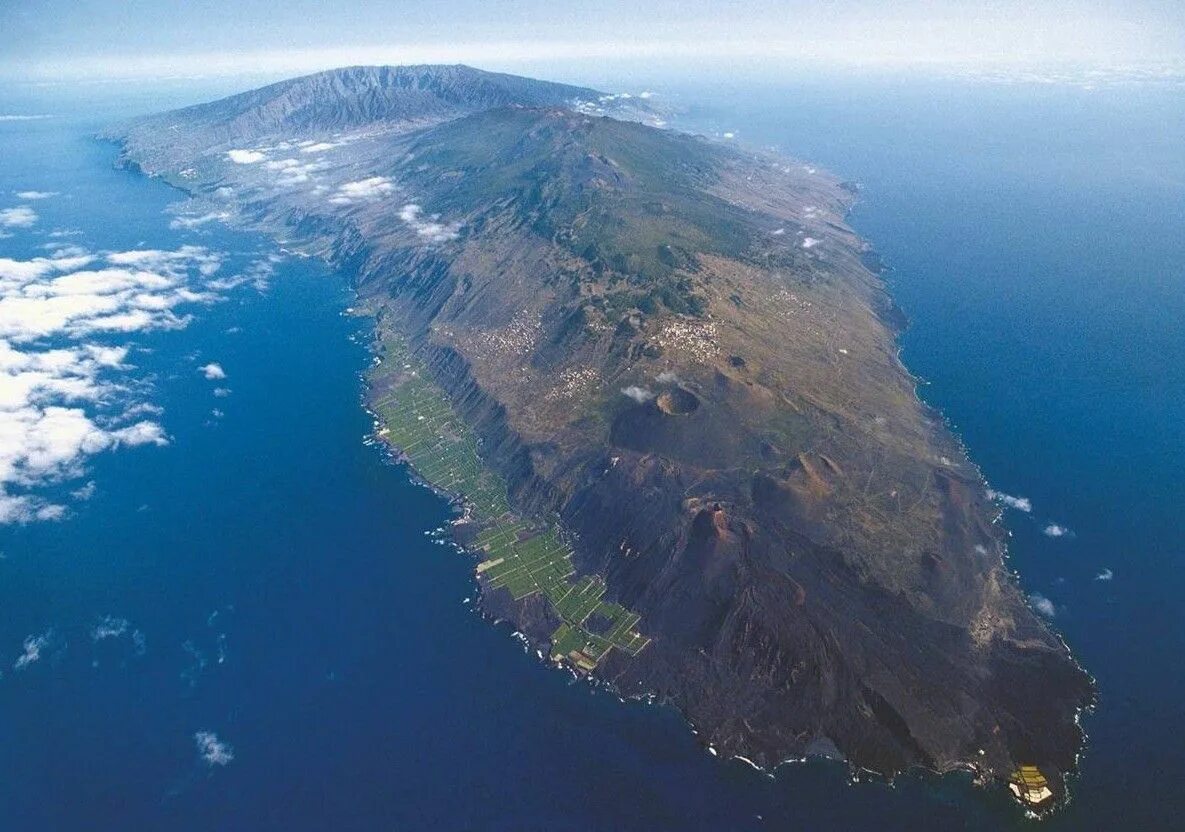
[{"x": 359, "y": 97}]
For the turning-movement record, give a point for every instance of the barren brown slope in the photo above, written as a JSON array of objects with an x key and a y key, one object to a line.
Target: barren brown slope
[{"x": 677, "y": 348}]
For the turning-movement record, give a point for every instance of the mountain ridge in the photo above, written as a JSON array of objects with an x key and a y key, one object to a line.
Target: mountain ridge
[{"x": 349, "y": 99}]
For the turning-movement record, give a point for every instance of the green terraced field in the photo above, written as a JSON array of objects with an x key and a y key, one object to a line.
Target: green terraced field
[{"x": 517, "y": 554}]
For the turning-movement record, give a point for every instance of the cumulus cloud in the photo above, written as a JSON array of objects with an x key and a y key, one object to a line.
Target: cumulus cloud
[
  {"x": 61, "y": 400},
  {"x": 429, "y": 227},
  {"x": 293, "y": 171},
  {"x": 1042, "y": 605},
  {"x": 639, "y": 394},
  {"x": 1019, "y": 503},
  {"x": 21, "y": 216},
  {"x": 15, "y": 271},
  {"x": 212, "y": 371},
  {"x": 35, "y": 194},
  {"x": 192, "y": 221},
  {"x": 245, "y": 157},
  {"x": 318, "y": 147},
  {"x": 1055, "y": 530},
  {"x": 1105, "y": 575},
  {"x": 363, "y": 190},
  {"x": 667, "y": 377},
  {"x": 33, "y": 646},
  {"x": 109, "y": 627},
  {"x": 137, "y": 290},
  {"x": 213, "y": 751},
  {"x": 141, "y": 433},
  {"x": 810, "y": 242}
]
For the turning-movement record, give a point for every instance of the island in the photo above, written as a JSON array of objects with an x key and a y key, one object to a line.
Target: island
[{"x": 659, "y": 376}]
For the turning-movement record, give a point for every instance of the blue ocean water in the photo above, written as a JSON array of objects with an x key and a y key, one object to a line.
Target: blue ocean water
[{"x": 306, "y": 658}]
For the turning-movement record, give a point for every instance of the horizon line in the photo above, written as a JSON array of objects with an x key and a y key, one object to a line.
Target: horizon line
[{"x": 502, "y": 54}]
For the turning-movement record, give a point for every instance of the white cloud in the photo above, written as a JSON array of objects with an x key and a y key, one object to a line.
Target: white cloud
[
  {"x": 173, "y": 262},
  {"x": 24, "y": 270},
  {"x": 1055, "y": 530},
  {"x": 33, "y": 646},
  {"x": 375, "y": 187},
  {"x": 141, "y": 433},
  {"x": 84, "y": 492},
  {"x": 35, "y": 194},
  {"x": 1105, "y": 575},
  {"x": 221, "y": 392},
  {"x": 212, "y": 750},
  {"x": 99, "y": 300},
  {"x": 8, "y": 117},
  {"x": 293, "y": 171},
  {"x": 810, "y": 242},
  {"x": 430, "y": 227},
  {"x": 1019, "y": 503},
  {"x": 109, "y": 627},
  {"x": 1042, "y": 605},
  {"x": 212, "y": 371},
  {"x": 20, "y": 217},
  {"x": 245, "y": 157},
  {"x": 61, "y": 401},
  {"x": 319, "y": 147},
  {"x": 639, "y": 394},
  {"x": 190, "y": 221}
]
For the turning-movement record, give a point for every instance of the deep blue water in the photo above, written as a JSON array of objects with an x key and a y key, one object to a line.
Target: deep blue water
[{"x": 291, "y": 601}]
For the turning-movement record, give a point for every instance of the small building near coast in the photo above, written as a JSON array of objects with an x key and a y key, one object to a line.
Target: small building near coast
[{"x": 1030, "y": 786}]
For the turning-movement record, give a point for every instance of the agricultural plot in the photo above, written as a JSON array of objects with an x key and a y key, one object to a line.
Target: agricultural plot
[{"x": 517, "y": 554}]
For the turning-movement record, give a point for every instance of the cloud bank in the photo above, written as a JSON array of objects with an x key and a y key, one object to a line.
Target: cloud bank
[
  {"x": 20, "y": 217},
  {"x": 64, "y": 394}
]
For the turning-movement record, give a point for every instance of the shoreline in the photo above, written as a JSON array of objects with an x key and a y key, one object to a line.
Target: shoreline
[{"x": 454, "y": 498}]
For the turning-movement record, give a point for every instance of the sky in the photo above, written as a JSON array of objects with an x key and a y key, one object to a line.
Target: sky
[{"x": 48, "y": 40}]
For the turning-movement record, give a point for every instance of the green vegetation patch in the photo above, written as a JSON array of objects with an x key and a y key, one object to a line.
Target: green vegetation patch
[{"x": 517, "y": 554}]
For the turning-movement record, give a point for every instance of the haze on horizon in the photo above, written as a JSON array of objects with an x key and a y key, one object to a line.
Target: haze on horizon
[{"x": 64, "y": 40}]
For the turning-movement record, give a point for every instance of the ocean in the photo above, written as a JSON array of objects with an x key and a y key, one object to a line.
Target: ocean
[{"x": 237, "y": 614}]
